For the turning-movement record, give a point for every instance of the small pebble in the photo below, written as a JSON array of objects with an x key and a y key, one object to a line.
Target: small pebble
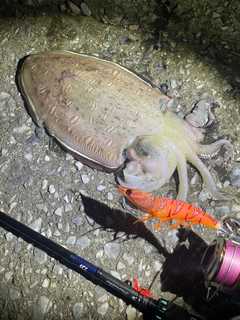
[
  {"x": 226, "y": 183},
  {"x": 194, "y": 179},
  {"x": 17, "y": 247},
  {"x": 83, "y": 242},
  {"x": 120, "y": 265},
  {"x": 11, "y": 104},
  {"x": 203, "y": 196},
  {"x": 75, "y": 9},
  {"x": 74, "y": 41},
  {"x": 85, "y": 178},
  {"x": 44, "y": 184},
  {"x": 4, "y": 152},
  {"x": 147, "y": 59},
  {"x": 110, "y": 196},
  {"x": 65, "y": 198},
  {"x": 45, "y": 283},
  {"x": 78, "y": 165},
  {"x": 33, "y": 141},
  {"x": 147, "y": 271},
  {"x": 133, "y": 27},
  {"x": 236, "y": 208},
  {"x": 116, "y": 274},
  {"x": 85, "y": 9},
  {"x": 111, "y": 249},
  {"x": 68, "y": 273},
  {"x": 58, "y": 211},
  {"x": 40, "y": 133},
  {"x": 57, "y": 269},
  {"x": 122, "y": 305},
  {"x": 68, "y": 207},
  {"x": 235, "y": 176},
  {"x": 40, "y": 255},
  {"x": 69, "y": 156},
  {"x": 102, "y": 298},
  {"x": 102, "y": 310},
  {"x": 28, "y": 271},
  {"x": 51, "y": 188},
  {"x": 41, "y": 307},
  {"x": 131, "y": 313},
  {"x": 161, "y": 66},
  {"x": 101, "y": 187},
  {"x": 215, "y": 15},
  {"x": 157, "y": 266},
  {"x": 77, "y": 221},
  {"x": 67, "y": 228},
  {"x": 174, "y": 235},
  {"x": 60, "y": 225},
  {"x": 28, "y": 156},
  {"x": 123, "y": 39},
  {"x": 22, "y": 129},
  {"x": 63, "y": 173},
  {"x": 128, "y": 258},
  {"x": 36, "y": 225},
  {"x": 33, "y": 284},
  {"x": 173, "y": 84},
  {"x": 4, "y": 96},
  {"x": 42, "y": 206},
  {"x": 56, "y": 233},
  {"x": 130, "y": 63},
  {"x": 78, "y": 310},
  {"x": 105, "y": 44},
  {"x": 12, "y": 206},
  {"x": 99, "y": 254},
  {"x": 99, "y": 290},
  {"x": 8, "y": 236},
  {"x": 14, "y": 295},
  {"x": 8, "y": 275},
  {"x": 222, "y": 210},
  {"x": 71, "y": 240},
  {"x": 147, "y": 249},
  {"x": 90, "y": 220}
]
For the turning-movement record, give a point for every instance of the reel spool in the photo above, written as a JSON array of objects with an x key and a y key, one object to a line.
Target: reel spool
[{"x": 221, "y": 260}]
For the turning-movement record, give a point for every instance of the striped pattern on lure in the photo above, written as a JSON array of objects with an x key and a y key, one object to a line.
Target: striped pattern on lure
[{"x": 167, "y": 209}]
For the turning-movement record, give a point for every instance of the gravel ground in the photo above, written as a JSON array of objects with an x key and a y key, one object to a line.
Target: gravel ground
[{"x": 77, "y": 207}]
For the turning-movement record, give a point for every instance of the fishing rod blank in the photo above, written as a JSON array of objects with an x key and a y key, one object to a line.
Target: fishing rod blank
[{"x": 159, "y": 310}]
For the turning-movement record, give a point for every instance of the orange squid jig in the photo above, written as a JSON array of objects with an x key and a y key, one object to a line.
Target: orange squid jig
[{"x": 167, "y": 209}]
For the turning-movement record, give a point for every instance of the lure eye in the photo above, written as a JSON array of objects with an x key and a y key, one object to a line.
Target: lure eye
[{"x": 128, "y": 192}]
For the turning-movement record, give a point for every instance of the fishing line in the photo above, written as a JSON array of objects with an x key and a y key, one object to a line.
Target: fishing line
[
  {"x": 230, "y": 265},
  {"x": 221, "y": 266}
]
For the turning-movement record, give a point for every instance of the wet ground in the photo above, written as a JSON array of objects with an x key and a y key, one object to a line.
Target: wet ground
[{"x": 77, "y": 207}]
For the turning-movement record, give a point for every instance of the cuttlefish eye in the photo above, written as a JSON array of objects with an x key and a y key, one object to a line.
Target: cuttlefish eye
[
  {"x": 143, "y": 151},
  {"x": 128, "y": 192}
]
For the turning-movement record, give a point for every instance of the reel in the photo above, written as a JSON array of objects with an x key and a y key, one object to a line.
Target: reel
[{"x": 221, "y": 261}]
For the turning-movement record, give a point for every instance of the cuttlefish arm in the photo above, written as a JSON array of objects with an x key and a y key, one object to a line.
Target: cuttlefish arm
[{"x": 154, "y": 158}]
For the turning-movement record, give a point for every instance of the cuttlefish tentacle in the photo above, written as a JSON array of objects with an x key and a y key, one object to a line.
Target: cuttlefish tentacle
[
  {"x": 156, "y": 157},
  {"x": 190, "y": 155},
  {"x": 207, "y": 178},
  {"x": 176, "y": 160},
  {"x": 210, "y": 150},
  {"x": 182, "y": 175}
]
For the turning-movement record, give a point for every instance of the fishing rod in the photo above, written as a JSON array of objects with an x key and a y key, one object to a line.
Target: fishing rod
[{"x": 141, "y": 299}]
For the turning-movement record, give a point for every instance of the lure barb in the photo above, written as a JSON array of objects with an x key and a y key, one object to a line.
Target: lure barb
[{"x": 167, "y": 209}]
